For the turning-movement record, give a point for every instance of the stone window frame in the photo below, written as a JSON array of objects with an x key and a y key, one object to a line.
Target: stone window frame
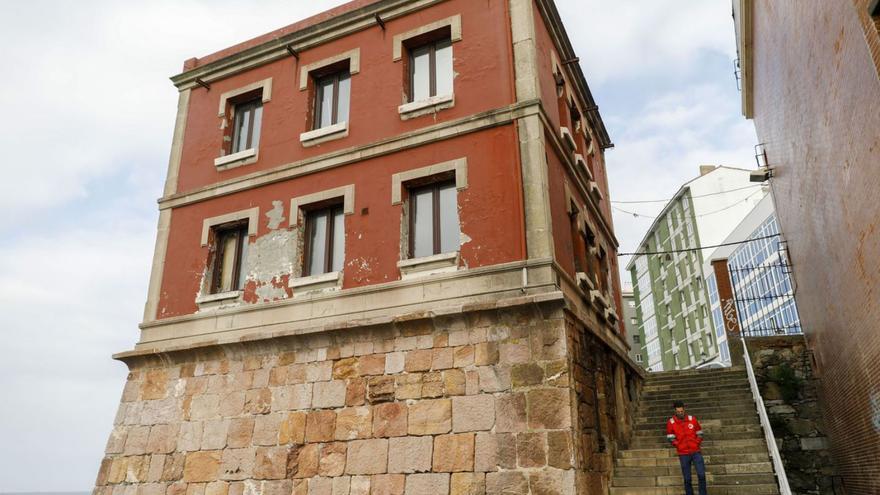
[
  {"x": 206, "y": 300},
  {"x": 340, "y": 130},
  {"x": 409, "y": 110},
  {"x": 248, "y": 156},
  {"x": 324, "y": 282},
  {"x": 438, "y": 263}
]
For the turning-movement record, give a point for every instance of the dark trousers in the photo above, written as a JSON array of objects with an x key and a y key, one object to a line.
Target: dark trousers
[{"x": 697, "y": 460}]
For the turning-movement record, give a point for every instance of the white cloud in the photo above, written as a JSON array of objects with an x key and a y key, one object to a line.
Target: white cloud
[{"x": 623, "y": 39}]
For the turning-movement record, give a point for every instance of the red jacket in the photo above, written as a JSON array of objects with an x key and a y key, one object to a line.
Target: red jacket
[{"x": 685, "y": 434}]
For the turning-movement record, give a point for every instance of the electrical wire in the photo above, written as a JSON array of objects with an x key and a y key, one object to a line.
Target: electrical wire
[
  {"x": 688, "y": 250},
  {"x": 639, "y": 215},
  {"x": 693, "y": 197}
]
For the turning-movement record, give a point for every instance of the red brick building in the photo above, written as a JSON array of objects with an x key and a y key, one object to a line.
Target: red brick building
[
  {"x": 385, "y": 263},
  {"x": 810, "y": 82}
]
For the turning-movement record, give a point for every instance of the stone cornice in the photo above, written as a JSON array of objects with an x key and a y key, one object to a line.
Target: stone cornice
[{"x": 301, "y": 40}]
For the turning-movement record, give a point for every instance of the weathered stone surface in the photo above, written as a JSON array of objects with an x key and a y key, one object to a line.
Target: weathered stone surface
[
  {"x": 232, "y": 403},
  {"x": 346, "y": 368},
  {"x": 136, "y": 441},
  {"x": 395, "y": 362},
  {"x": 494, "y": 378},
  {"x": 390, "y": 419},
  {"x": 427, "y": 484},
  {"x": 506, "y": 483},
  {"x": 559, "y": 449},
  {"x": 202, "y": 466},
  {"x": 454, "y": 382},
  {"x": 380, "y": 389},
  {"x": 372, "y": 364},
  {"x": 549, "y": 409},
  {"x": 341, "y": 485},
  {"x": 367, "y": 457},
  {"x": 410, "y": 454},
  {"x": 454, "y": 452},
  {"x": 332, "y": 461},
  {"x": 524, "y": 375},
  {"x": 390, "y": 484},
  {"x": 217, "y": 488},
  {"x": 320, "y": 486},
  {"x": 360, "y": 485},
  {"x": 356, "y": 392},
  {"x": 418, "y": 360},
  {"x": 463, "y": 356},
  {"x": 408, "y": 386},
  {"x": 258, "y": 401},
  {"x": 293, "y": 428},
  {"x": 266, "y": 429},
  {"x": 303, "y": 461},
  {"x": 240, "y": 433},
  {"x": 214, "y": 434},
  {"x": 531, "y": 450},
  {"x": 547, "y": 482},
  {"x": 163, "y": 439},
  {"x": 155, "y": 385},
  {"x": 468, "y": 484},
  {"x": 486, "y": 353},
  {"x": 473, "y": 413},
  {"x": 353, "y": 423},
  {"x": 328, "y": 394},
  {"x": 510, "y": 413},
  {"x": 442, "y": 358},
  {"x": 513, "y": 352},
  {"x": 320, "y": 426},
  {"x": 432, "y": 384},
  {"x": 430, "y": 417},
  {"x": 237, "y": 464},
  {"x": 271, "y": 463}
]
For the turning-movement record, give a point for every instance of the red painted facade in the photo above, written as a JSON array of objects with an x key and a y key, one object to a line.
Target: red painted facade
[{"x": 491, "y": 208}]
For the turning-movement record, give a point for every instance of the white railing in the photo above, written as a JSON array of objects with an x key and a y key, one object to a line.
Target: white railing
[{"x": 772, "y": 448}]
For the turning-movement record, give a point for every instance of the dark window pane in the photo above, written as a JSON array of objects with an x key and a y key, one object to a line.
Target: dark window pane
[
  {"x": 317, "y": 242},
  {"x": 338, "y": 241},
  {"x": 444, "y": 68},
  {"x": 421, "y": 73},
  {"x": 344, "y": 97},
  {"x": 449, "y": 229},
  {"x": 242, "y": 123},
  {"x": 423, "y": 223}
]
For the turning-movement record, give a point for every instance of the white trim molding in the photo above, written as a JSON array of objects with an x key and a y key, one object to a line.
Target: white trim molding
[
  {"x": 428, "y": 265},
  {"x": 324, "y": 134},
  {"x": 426, "y": 107},
  {"x": 579, "y": 160},
  {"x": 244, "y": 157},
  {"x": 354, "y": 65},
  {"x": 265, "y": 85},
  {"x": 567, "y": 138},
  {"x": 397, "y": 180},
  {"x": 344, "y": 192},
  {"x": 252, "y": 215},
  {"x": 454, "y": 24},
  {"x": 325, "y": 282}
]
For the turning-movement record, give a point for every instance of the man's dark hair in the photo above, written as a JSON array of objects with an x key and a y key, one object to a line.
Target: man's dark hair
[{"x": 678, "y": 403}]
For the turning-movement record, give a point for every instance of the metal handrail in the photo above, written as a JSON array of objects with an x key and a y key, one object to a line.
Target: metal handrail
[{"x": 772, "y": 448}]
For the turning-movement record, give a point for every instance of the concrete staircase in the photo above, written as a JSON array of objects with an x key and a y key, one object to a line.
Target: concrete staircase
[{"x": 733, "y": 447}]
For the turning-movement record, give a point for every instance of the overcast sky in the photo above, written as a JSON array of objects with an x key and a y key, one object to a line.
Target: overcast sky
[{"x": 87, "y": 120}]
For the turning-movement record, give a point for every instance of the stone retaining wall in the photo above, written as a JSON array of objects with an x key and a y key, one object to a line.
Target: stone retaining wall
[
  {"x": 471, "y": 403},
  {"x": 784, "y": 373}
]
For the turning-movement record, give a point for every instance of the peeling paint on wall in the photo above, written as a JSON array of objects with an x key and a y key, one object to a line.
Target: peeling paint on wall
[
  {"x": 270, "y": 263},
  {"x": 275, "y": 215}
]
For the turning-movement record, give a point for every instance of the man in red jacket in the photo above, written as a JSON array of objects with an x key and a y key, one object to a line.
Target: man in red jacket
[{"x": 686, "y": 435}]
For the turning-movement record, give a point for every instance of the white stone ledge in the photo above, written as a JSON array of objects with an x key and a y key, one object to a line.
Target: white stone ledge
[
  {"x": 595, "y": 191},
  {"x": 324, "y": 282},
  {"x": 425, "y": 107},
  {"x": 236, "y": 159},
  {"x": 324, "y": 134},
  {"x": 428, "y": 265},
  {"x": 567, "y": 137},
  {"x": 221, "y": 296},
  {"x": 579, "y": 160}
]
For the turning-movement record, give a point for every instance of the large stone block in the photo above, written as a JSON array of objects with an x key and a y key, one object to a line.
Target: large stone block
[
  {"x": 511, "y": 415},
  {"x": 468, "y": 484},
  {"x": 390, "y": 419},
  {"x": 332, "y": 460},
  {"x": 320, "y": 426},
  {"x": 271, "y": 463},
  {"x": 367, "y": 457},
  {"x": 549, "y": 408},
  {"x": 506, "y": 483},
  {"x": 293, "y": 428},
  {"x": 454, "y": 452},
  {"x": 353, "y": 423},
  {"x": 329, "y": 394},
  {"x": 531, "y": 450},
  {"x": 237, "y": 464},
  {"x": 240, "y": 433},
  {"x": 202, "y": 466},
  {"x": 410, "y": 454},
  {"x": 388, "y": 484},
  {"x": 430, "y": 417},
  {"x": 427, "y": 484},
  {"x": 473, "y": 413}
]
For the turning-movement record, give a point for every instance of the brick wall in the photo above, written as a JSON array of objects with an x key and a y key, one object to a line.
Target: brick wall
[
  {"x": 478, "y": 402},
  {"x": 817, "y": 109}
]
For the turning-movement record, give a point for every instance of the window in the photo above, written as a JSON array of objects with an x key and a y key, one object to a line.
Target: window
[
  {"x": 639, "y": 358},
  {"x": 325, "y": 241},
  {"x": 631, "y": 304},
  {"x": 230, "y": 249},
  {"x": 433, "y": 220},
  {"x": 332, "y": 99},
  {"x": 246, "y": 124},
  {"x": 637, "y": 339},
  {"x": 634, "y": 321},
  {"x": 430, "y": 70}
]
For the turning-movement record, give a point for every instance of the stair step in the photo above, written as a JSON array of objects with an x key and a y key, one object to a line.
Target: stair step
[
  {"x": 686, "y": 395},
  {"x": 674, "y": 469},
  {"x": 766, "y": 489},
  {"x": 709, "y": 429},
  {"x": 659, "y": 442},
  {"x": 661, "y": 375},
  {"x": 642, "y": 424},
  {"x": 709, "y": 450},
  {"x": 713, "y": 479},
  {"x": 714, "y": 459}
]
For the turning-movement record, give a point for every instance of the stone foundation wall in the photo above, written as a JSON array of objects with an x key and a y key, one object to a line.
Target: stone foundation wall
[
  {"x": 784, "y": 373},
  {"x": 471, "y": 403}
]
